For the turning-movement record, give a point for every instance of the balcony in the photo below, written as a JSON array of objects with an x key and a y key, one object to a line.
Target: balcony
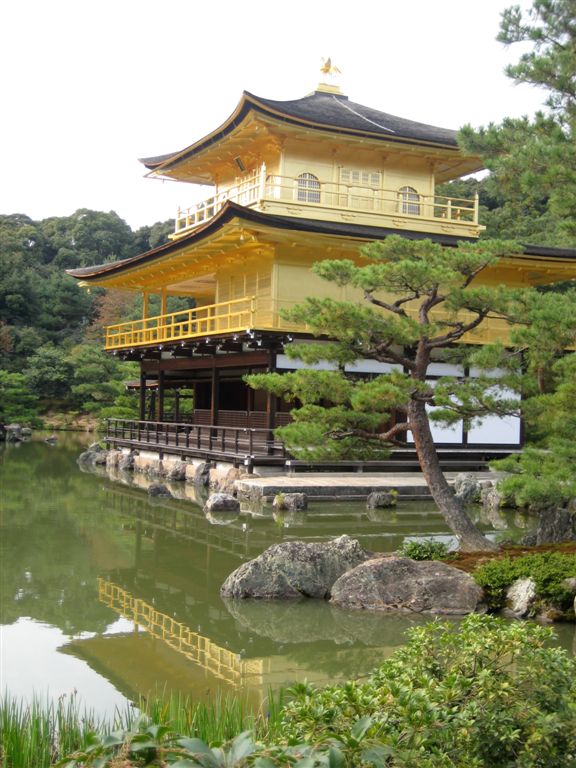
[
  {"x": 308, "y": 197},
  {"x": 226, "y": 317}
]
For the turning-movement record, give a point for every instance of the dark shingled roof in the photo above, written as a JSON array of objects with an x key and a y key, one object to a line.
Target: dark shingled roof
[
  {"x": 337, "y": 111},
  {"x": 233, "y": 210},
  {"x": 323, "y": 111}
]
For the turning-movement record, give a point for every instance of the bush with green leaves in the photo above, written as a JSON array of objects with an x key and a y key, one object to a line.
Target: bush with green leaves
[
  {"x": 547, "y": 569},
  {"x": 486, "y": 694},
  {"x": 482, "y": 694},
  {"x": 424, "y": 549}
]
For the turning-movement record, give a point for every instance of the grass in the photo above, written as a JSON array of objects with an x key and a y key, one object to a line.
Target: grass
[{"x": 38, "y": 734}]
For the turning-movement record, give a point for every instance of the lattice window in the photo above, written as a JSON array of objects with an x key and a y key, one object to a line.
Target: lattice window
[
  {"x": 308, "y": 189},
  {"x": 409, "y": 201},
  {"x": 359, "y": 178}
]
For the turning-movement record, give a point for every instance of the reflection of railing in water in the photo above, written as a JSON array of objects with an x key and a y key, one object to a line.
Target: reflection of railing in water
[{"x": 220, "y": 662}]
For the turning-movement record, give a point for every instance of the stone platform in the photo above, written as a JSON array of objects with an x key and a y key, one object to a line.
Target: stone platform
[{"x": 345, "y": 486}]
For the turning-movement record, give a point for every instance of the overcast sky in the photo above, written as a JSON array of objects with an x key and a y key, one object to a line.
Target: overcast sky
[{"x": 87, "y": 88}]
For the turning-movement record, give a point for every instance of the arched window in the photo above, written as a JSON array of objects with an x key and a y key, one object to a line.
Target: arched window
[
  {"x": 308, "y": 188},
  {"x": 409, "y": 201}
]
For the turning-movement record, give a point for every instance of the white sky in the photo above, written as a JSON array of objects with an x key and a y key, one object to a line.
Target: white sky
[{"x": 87, "y": 88}]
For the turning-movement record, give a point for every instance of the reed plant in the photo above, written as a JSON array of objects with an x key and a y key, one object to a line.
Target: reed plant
[
  {"x": 39, "y": 733},
  {"x": 36, "y": 734}
]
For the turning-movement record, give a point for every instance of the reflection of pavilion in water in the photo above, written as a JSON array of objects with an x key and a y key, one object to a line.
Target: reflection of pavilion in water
[
  {"x": 217, "y": 661},
  {"x": 182, "y": 636}
]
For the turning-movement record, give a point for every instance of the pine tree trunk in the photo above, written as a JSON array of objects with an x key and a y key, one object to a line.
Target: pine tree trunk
[{"x": 468, "y": 535}]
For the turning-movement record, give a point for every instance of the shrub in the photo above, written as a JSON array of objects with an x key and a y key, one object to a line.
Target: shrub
[
  {"x": 547, "y": 569},
  {"x": 490, "y": 694},
  {"x": 424, "y": 550}
]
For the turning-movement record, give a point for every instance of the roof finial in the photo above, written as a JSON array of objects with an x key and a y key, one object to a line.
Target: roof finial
[
  {"x": 331, "y": 74},
  {"x": 328, "y": 68}
]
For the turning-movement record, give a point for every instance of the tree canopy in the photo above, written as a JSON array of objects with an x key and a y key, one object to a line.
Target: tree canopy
[{"x": 532, "y": 160}]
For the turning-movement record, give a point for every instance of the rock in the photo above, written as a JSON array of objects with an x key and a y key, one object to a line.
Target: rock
[
  {"x": 466, "y": 487},
  {"x": 382, "y": 499},
  {"x": 570, "y": 584},
  {"x": 13, "y": 433},
  {"x": 93, "y": 455},
  {"x": 158, "y": 489},
  {"x": 177, "y": 473},
  {"x": 223, "y": 480},
  {"x": 294, "y": 569},
  {"x": 52, "y": 440},
  {"x": 290, "y": 501},
  {"x": 202, "y": 474},
  {"x": 402, "y": 584},
  {"x": 490, "y": 497},
  {"x": 27, "y": 432},
  {"x": 555, "y": 525},
  {"x": 126, "y": 461},
  {"x": 221, "y": 502},
  {"x": 520, "y": 597}
]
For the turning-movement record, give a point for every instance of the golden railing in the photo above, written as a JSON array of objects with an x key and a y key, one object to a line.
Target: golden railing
[
  {"x": 219, "y": 661},
  {"x": 258, "y": 187},
  {"x": 225, "y": 317}
]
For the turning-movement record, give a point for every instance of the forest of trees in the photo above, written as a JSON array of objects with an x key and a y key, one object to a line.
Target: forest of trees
[{"x": 51, "y": 356}]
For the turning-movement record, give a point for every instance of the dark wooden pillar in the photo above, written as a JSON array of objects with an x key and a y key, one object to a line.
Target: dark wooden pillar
[
  {"x": 271, "y": 406},
  {"x": 177, "y": 405},
  {"x": 142, "y": 408},
  {"x": 160, "y": 395},
  {"x": 215, "y": 400}
]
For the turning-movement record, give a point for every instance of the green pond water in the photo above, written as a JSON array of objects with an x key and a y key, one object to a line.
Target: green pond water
[{"x": 112, "y": 594}]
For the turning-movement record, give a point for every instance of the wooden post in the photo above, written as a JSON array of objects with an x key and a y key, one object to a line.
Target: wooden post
[
  {"x": 145, "y": 305},
  {"x": 177, "y": 405},
  {"x": 160, "y": 395},
  {"x": 271, "y": 407},
  {"x": 215, "y": 399},
  {"x": 142, "y": 410}
]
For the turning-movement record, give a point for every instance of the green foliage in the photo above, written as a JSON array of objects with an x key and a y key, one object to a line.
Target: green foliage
[
  {"x": 98, "y": 381},
  {"x": 17, "y": 403},
  {"x": 543, "y": 475},
  {"x": 533, "y": 161},
  {"x": 424, "y": 550},
  {"x": 547, "y": 569},
  {"x": 48, "y": 373},
  {"x": 489, "y": 694}
]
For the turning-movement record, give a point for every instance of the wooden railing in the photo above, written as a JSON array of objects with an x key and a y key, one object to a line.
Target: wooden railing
[
  {"x": 196, "y": 439},
  {"x": 227, "y": 316},
  {"x": 259, "y": 187}
]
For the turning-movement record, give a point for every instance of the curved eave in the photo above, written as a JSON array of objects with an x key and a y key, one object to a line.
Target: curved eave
[
  {"x": 232, "y": 211},
  {"x": 249, "y": 102}
]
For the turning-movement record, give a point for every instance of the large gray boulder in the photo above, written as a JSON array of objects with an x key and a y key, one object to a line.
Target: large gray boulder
[
  {"x": 295, "y": 569},
  {"x": 402, "y": 584},
  {"x": 222, "y": 502}
]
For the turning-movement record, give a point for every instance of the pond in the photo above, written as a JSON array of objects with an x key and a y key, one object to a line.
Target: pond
[{"x": 115, "y": 595}]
